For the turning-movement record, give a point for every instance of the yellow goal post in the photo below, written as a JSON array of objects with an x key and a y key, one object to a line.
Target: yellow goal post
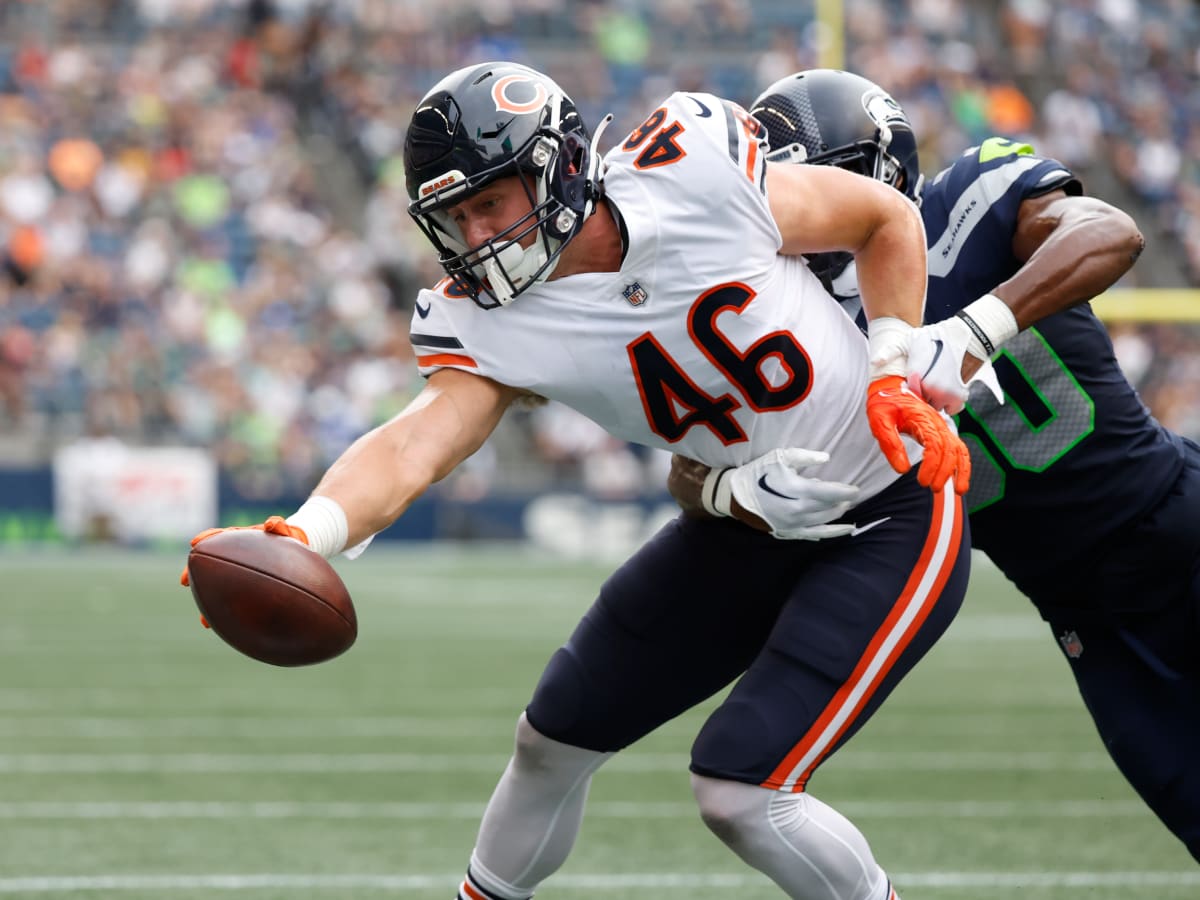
[
  {"x": 1149, "y": 305},
  {"x": 831, "y": 45}
]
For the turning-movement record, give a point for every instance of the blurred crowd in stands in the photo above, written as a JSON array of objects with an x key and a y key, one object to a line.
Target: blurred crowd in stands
[{"x": 202, "y": 208}]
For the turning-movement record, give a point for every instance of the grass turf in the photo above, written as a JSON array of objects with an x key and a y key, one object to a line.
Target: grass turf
[{"x": 141, "y": 757}]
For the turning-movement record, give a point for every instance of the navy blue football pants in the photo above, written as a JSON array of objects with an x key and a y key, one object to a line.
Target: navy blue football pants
[
  {"x": 817, "y": 633},
  {"x": 1128, "y": 621}
]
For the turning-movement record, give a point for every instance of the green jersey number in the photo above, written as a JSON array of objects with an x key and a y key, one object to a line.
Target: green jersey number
[{"x": 1025, "y": 443}]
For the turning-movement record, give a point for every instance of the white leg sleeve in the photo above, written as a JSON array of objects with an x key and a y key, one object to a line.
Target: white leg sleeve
[
  {"x": 534, "y": 815},
  {"x": 808, "y": 848}
]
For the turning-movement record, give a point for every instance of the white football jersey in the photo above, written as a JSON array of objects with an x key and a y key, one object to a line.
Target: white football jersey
[{"x": 707, "y": 342}]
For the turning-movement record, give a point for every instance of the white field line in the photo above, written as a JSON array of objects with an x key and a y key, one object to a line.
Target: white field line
[
  {"x": 900, "y": 809},
  {"x": 345, "y": 728},
  {"x": 973, "y": 630},
  {"x": 313, "y": 703},
  {"x": 609, "y": 882},
  {"x": 219, "y": 727},
  {"x": 357, "y": 763}
]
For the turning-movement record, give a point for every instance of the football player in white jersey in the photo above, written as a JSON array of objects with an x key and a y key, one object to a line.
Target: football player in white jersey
[{"x": 660, "y": 291}]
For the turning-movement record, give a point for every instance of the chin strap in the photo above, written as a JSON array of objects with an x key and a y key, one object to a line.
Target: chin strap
[
  {"x": 505, "y": 270},
  {"x": 919, "y": 191},
  {"x": 595, "y": 177}
]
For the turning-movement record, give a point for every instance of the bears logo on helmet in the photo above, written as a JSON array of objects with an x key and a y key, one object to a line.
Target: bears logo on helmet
[
  {"x": 487, "y": 122},
  {"x": 504, "y": 103}
]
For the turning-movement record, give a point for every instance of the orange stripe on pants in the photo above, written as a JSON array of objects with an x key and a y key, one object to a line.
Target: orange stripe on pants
[{"x": 934, "y": 566}]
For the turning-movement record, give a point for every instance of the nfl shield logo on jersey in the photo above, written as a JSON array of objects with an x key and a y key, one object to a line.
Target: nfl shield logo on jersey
[
  {"x": 1072, "y": 644},
  {"x": 635, "y": 294}
]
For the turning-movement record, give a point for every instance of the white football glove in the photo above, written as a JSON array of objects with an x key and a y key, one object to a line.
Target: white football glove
[
  {"x": 888, "y": 339},
  {"x": 935, "y": 359},
  {"x": 795, "y": 506}
]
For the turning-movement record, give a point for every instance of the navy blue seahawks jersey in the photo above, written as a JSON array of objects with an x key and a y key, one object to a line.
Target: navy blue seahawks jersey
[{"x": 1072, "y": 455}]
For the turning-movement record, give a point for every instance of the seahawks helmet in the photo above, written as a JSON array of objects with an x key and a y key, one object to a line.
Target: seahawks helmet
[
  {"x": 833, "y": 118},
  {"x": 486, "y": 122}
]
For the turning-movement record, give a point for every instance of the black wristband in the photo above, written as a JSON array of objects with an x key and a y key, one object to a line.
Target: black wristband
[
  {"x": 977, "y": 331},
  {"x": 708, "y": 491}
]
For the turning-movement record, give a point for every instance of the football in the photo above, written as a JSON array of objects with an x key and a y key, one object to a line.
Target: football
[{"x": 271, "y": 598}]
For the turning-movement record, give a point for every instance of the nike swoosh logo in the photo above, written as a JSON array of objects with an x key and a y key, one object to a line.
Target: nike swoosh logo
[
  {"x": 705, "y": 112},
  {"x": 762, "y": 483},
  {"x": 422, "y": 311},
  {"x": 936, "y": 355},
  {"x": 859, "y": 529}
]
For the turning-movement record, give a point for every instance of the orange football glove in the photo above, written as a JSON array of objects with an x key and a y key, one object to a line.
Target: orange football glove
[
  {"x": 893, "y": 409},
  {"x": 273, "y": 525}
]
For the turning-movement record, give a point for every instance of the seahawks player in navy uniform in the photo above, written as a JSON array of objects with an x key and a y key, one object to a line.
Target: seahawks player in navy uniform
[{"x": 1082, "y": 499}]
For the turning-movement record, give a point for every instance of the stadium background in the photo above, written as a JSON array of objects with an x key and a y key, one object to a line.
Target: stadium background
[
  {"x": 205, "y": 244},
  {"x": 207, "y": 273}
]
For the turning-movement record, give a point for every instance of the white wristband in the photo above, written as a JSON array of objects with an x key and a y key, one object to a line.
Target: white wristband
[
  {"x": 991, "y": 322},
  {"x": 716, "y": 494},
  {"x": 324, "y": 522},
  {"x": 888, "y": 339}
]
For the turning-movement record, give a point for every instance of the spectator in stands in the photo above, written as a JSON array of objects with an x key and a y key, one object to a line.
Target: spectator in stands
[{"x": 201, "y": 193}]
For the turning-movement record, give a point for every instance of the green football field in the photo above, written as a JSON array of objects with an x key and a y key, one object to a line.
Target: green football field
[{"x": 141, "y": 757}]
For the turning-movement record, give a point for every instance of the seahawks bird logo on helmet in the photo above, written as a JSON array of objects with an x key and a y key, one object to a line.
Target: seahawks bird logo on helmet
[
  {"x": 834, "y": 118},
  {"x": 486, "y": 122}
]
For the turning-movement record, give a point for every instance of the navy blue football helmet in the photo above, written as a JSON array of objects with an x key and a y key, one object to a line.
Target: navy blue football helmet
[
  {"x": 486, "y": 122},
  {"x": 833, "y": 118}
]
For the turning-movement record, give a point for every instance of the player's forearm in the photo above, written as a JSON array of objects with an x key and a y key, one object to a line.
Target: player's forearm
[
  {"x": 891, "y": 273},
  {"x": 380, "y": 475},
  {"x": 378, "y": 478},
  {"x": 891, "y": 265},
  {"x": 685, "y": 482},
  {"x": 1088, "y": 251},
  {"x": 822, "y": 208}
]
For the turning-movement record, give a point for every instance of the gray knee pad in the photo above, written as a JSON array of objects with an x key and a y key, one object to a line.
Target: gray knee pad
[
  {"x": 730, "y": 809},
  {"x": 536, "y": 754},
  {"x": 808, "y": 848},
  {"x": 533, "y": 817}
]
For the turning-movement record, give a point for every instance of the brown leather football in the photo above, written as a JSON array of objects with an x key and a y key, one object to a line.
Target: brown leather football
[{"x": 271, "y": 598}]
